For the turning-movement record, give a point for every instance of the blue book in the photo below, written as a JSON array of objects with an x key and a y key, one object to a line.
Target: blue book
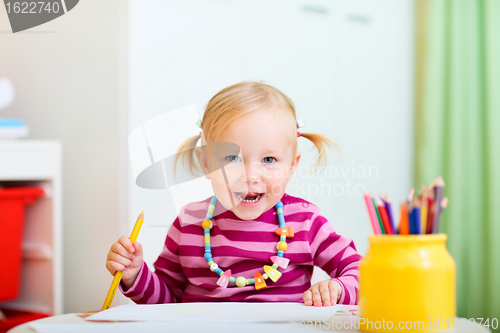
[{"x": 6, "y": 122}]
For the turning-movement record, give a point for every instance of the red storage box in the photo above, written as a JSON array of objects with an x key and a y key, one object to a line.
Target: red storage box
[
  {"x": 18, "y": 317},
  {"x": 12, "y": 206}
]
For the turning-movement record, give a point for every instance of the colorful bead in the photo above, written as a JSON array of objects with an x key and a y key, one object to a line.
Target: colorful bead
[
  {"x": 208, "y": 249},
  {"x": 240, "y": 281},
  {"x": 280, "y": 261},
  {"x": 274, "y": 266},
  {"x": 280, "y": 253},
  {"x": 207, "y": 239},
  {"x": 218, "y": 271},
  {"x": 232, "y": 279},
  {"x": 213, "y": 266},
  {"x": 224, "y": 278},
  {"x": 283, "y": 238},
  {"x": 207, "y": 224},
  {"x": 208, "y": 256},
  {"x": 281, "y": 246},
  {"x": 259, "y": 281},
  {"x": 210, "y": 262},
  {"x": 265, "y": 276},
  {"x": 287, "y": 231},
  {"x": 273, "y": 274}
]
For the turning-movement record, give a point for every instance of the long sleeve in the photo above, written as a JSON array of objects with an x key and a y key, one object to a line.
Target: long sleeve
[
  {"x": 167, "y": 283},
  {"x": 337, "y": 256}
]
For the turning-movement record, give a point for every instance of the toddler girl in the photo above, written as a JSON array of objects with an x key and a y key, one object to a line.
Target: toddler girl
[{"x": 251, "y": 241}]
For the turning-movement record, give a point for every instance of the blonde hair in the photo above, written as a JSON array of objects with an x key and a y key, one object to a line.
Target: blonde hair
[{"x": 233, "y": 102}]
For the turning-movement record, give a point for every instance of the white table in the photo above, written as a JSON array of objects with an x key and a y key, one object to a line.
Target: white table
[{"x": 339, "y": 320}]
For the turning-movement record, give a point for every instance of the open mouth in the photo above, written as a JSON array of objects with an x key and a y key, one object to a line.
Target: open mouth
[{"x": 249, "y": 196}]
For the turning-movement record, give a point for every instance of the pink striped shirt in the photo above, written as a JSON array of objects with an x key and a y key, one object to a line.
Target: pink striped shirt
[{"x": 182, "y": 273}]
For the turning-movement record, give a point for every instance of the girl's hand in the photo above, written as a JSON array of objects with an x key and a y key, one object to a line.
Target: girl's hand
[
  {"x": 127, "y": 257},
  {"x": 324, "y": 293}
]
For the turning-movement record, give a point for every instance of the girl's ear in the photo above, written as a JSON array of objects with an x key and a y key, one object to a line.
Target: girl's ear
[
  {"x": 202, "y": 159},
  {"x": 295, "y": 163}
]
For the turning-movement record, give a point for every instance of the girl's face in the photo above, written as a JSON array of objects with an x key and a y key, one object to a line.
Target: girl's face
[{"x": 263, "y": 164}]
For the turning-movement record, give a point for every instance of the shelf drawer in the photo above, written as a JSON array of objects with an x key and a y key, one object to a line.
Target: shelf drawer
[{"x": 29, "y": 160}]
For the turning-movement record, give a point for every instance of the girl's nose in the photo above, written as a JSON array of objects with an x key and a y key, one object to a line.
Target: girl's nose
[{"x": 252, "y": 174}]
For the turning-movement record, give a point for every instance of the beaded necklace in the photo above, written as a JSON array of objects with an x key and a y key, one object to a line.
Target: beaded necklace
[{"x": 271, "y": 272}]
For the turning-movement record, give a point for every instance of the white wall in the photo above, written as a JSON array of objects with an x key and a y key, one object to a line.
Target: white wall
[
  {"x": 68, "y": 75},
  {"x": 347, "y": 65}
]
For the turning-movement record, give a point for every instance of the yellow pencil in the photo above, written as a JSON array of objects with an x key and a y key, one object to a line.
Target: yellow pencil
[
  {"x": 423, "y": 214},
  {"x": 118, "y": 274}
]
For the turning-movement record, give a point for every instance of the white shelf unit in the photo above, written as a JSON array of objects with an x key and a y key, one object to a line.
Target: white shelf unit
[{"x": 37, "y": 163}]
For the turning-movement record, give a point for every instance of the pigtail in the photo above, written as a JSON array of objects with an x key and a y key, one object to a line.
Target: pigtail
[
  {"x": 322, "y": 143},
  {"x": 186, "y": 152}
]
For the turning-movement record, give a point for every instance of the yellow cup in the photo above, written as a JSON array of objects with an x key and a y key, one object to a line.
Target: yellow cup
[{"x": 407, "y": 282}]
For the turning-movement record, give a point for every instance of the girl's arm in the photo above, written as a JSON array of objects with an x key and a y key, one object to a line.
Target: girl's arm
[
  {"x": 167, "y": 283},
  {"x": 337, "y": 256}
]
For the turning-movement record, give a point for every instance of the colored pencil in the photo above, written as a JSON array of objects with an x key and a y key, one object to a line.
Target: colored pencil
[
  {"x": 411, "y": 222},
  {"x": 419, "y": 213},
  {"x": 409, "y": 200},
  {"x": 388, "y": 208},
  {"x": 384, "y": 217},
  {"x": 371, "y": 213},
  {"x": 403, "y": 220},
  {"x": 423, "y": 209},
  {"x": 430, "y": 210},
  {"x": 429, "y": 223},
  {"x": 378, "y": 217},
  {"x": 416, "y": 216},
  {"x": 439, "y": 182},
  {"x": 118, "y": 275},
  {"x": 442, "y": 206}
]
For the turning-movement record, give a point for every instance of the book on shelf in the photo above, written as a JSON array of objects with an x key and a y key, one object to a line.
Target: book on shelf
[{"x": 13, "y": 128}]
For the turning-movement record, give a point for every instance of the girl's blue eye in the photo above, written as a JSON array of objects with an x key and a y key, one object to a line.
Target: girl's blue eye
[
  {"x": 235, "y": 158},
  {"x": 229, "y": 158}
]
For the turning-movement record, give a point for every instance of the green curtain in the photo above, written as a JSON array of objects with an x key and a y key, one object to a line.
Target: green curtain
[{"x": 458, "y": 137}]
